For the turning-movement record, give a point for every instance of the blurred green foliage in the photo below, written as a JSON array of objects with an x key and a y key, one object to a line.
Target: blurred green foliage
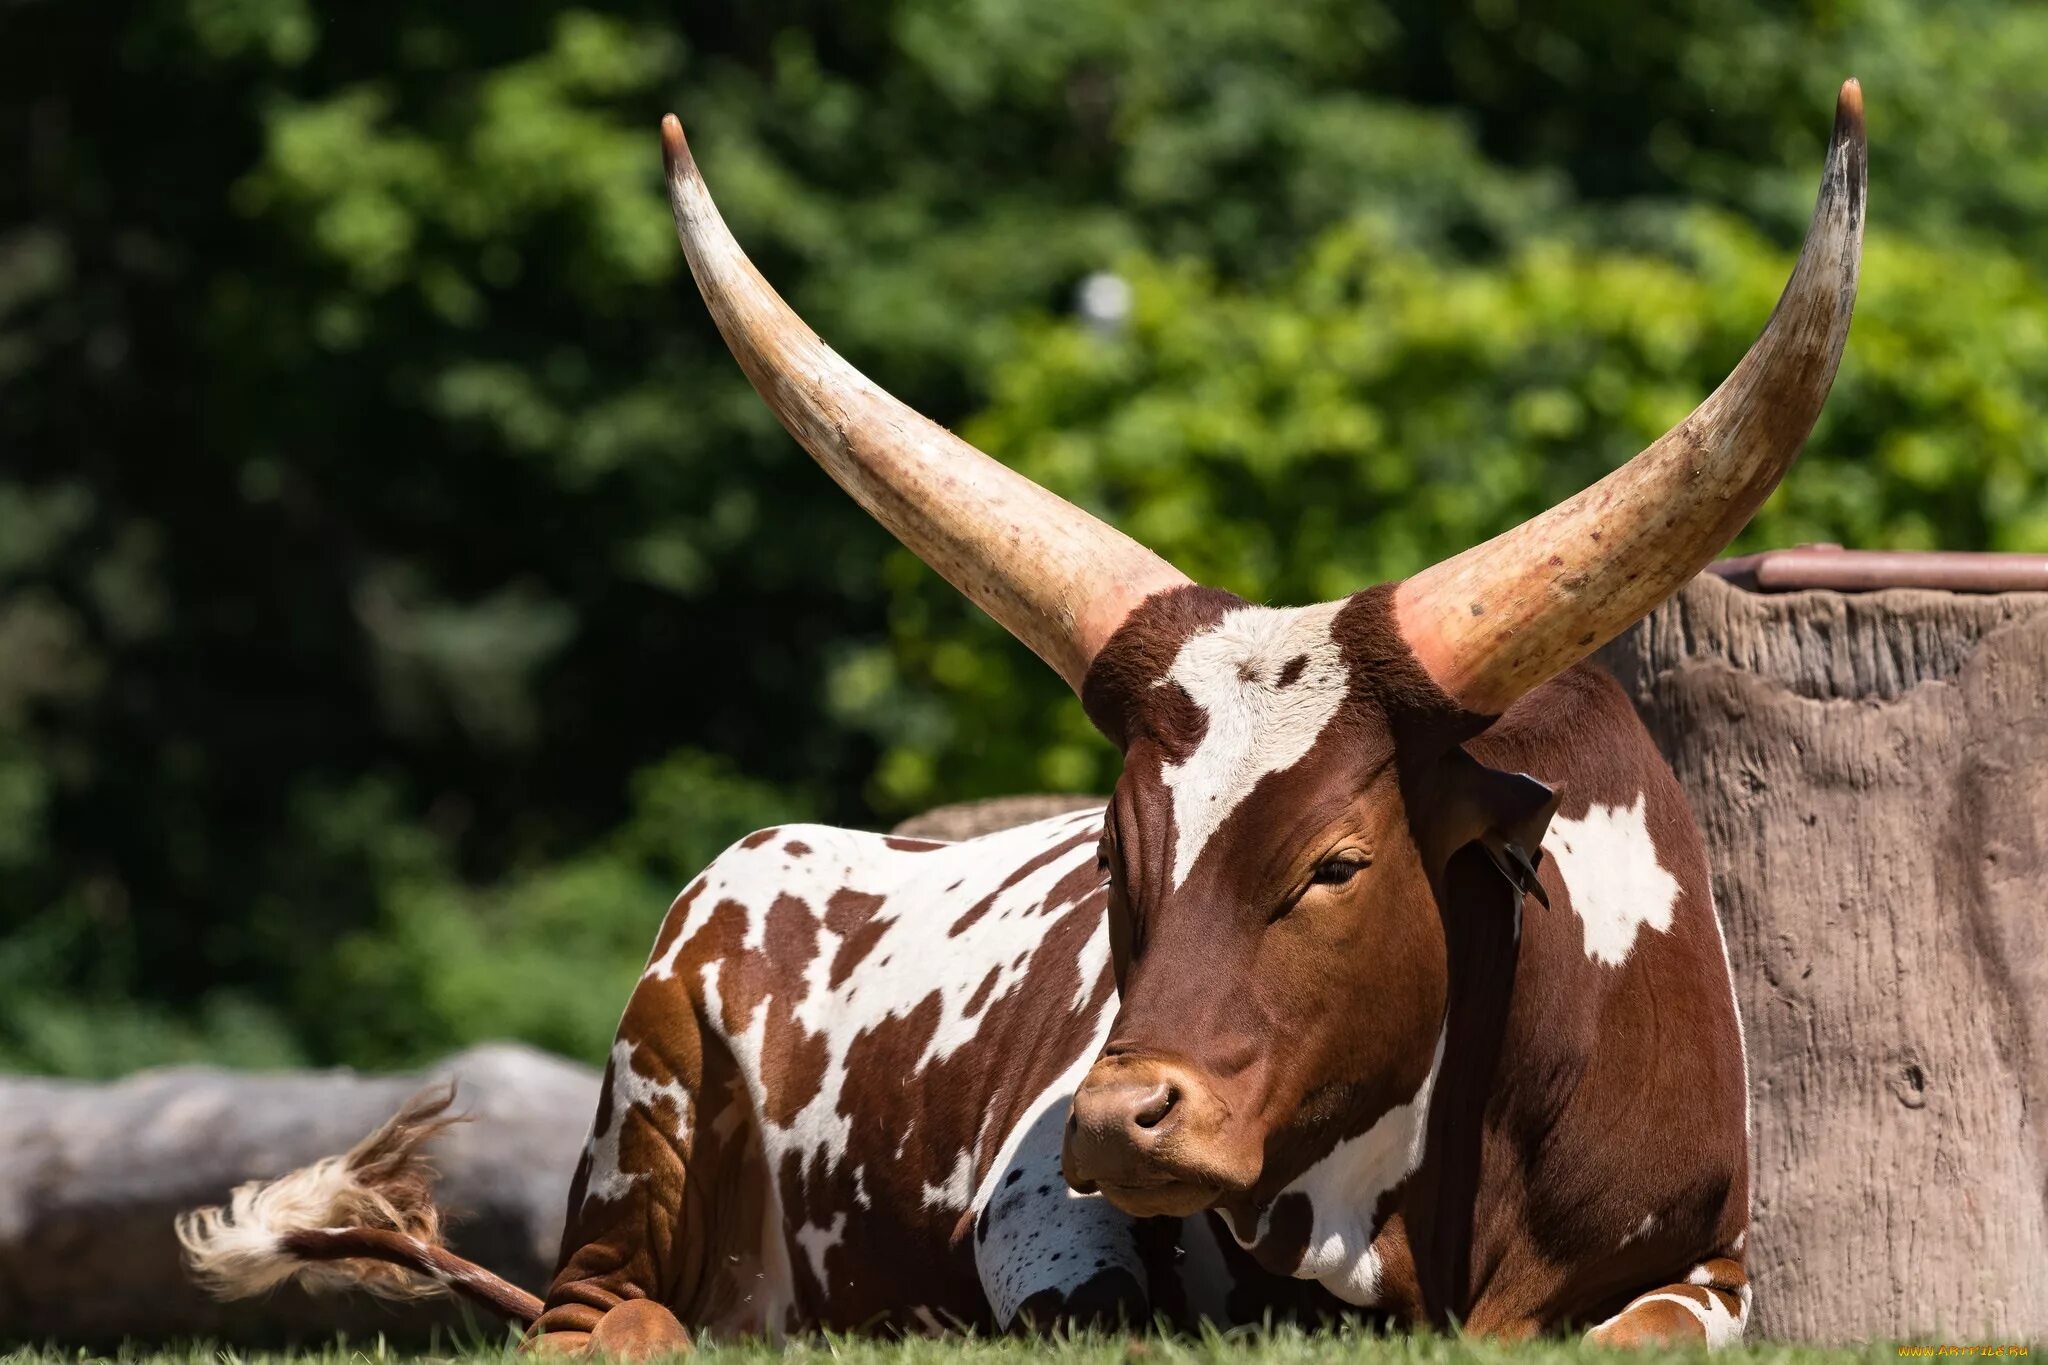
[{"x": 402, "y": 593}]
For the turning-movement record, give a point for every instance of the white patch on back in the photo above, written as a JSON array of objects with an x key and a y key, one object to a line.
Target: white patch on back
[
  {"x": 1344, "y": 1190},
  {"x": 1609, "y": 863},
  {"x": 1232, "y": 672},
  {"x": 630, "y": 1091}
]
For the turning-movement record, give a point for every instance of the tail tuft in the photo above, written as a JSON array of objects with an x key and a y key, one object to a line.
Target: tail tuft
[{"x": 383, "y": 1183}]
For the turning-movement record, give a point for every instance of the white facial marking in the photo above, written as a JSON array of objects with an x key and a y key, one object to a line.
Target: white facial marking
[
  {"x": 1233, "y": 671},
  {"x": 1344, "y": 1191},
  {"x": 631, "y": 1091},
  {"x": 1618, "y": 887}
]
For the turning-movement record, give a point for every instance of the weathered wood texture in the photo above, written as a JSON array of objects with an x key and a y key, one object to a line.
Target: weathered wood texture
[{"x": 1872, "y": 776}]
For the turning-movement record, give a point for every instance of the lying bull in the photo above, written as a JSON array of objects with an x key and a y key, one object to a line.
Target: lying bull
[{"x": 1275, "y": 1027}]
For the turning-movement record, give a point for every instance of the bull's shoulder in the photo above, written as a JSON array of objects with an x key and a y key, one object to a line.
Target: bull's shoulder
[
  {"x": 1580, "y": 733},
  {"x": 1625, "y": 852}
]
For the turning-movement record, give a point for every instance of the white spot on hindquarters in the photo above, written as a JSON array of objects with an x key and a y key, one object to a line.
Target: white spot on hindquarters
[
  {"x": 631, "y": 1093},
  {"x": 1642, "y": 1230},
  {"x": 1233, "y": 671},
  {"x": 1609, "y": 863},
  {"x": 1344, "y": 1191}
]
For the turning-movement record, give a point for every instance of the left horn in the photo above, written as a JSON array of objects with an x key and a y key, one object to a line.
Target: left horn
[
  {"x": 1051, "y": 574},
  {"x": 1497, "y": 620}
]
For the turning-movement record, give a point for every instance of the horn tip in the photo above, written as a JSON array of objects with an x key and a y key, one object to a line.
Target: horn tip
[
  {"x": 1849, "y": 110},
  {"x": 675, "y": 149}
]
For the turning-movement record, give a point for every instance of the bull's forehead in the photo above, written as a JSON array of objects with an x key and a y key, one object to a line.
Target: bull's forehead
[{"x": 1267, "y": 681}]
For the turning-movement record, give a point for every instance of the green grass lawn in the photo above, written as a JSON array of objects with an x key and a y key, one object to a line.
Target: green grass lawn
[{"x": 1277, "y": 1347}]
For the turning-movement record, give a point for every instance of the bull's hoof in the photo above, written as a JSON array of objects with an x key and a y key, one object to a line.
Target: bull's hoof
[
  {"x": 557, "y": 1344},
  {"x": 638, "y": 1329}
]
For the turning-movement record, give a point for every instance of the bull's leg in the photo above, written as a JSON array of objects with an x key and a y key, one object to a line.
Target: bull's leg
[
  {"x": 658, "y": 1223},
  {"x": 1049, "y": 1257},
  {"x": 1711, "y": 1308}
]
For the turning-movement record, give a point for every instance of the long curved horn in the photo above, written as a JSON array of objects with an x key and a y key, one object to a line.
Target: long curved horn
[
  {"x": 1497, "y": 620},
  {"x": 1051, "y": 574}
]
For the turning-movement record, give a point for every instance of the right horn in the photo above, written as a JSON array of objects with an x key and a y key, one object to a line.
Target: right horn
[{"x": 1503, "y": 617}]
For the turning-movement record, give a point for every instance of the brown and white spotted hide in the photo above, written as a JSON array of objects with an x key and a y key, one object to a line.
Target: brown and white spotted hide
[
  {"x": 837, "y": 1093},
  {"x": 1271, "y": 1000}
]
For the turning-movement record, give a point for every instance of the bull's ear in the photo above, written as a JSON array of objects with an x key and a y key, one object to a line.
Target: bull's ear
[
  {"x": 1505, "y": 814},
  {"x": 1480, "y": 832}
]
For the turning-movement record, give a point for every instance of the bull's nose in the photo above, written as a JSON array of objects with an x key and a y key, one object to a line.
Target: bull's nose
[
  {"x": 1127, "y": 1114},
  {"x": 1156, "y": 1138},
  {"x": 1137, "y": 1123}
]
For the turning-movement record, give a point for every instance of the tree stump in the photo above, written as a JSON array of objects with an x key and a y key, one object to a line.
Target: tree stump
[{"x": 1871, "y": 773}]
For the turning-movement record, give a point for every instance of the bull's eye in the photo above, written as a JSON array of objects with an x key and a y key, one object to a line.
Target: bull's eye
[{"x": 1339, "y": 870}]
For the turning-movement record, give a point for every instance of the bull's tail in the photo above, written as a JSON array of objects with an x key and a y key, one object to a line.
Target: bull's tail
[{"x": 365, "y": 1220}]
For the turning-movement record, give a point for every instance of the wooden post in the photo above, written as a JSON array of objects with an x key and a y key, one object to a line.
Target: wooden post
[{"x": 1871, "y": 772}]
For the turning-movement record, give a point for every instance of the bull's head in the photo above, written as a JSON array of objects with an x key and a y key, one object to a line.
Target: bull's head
[{"x": 1295, "y": 803}]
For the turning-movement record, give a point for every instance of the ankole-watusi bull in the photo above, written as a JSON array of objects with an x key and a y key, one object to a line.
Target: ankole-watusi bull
[{"x": 1388, "y": 978}]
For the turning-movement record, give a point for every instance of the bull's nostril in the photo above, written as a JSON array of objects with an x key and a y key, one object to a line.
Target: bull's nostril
[{"x": 1153, "y": 1109}]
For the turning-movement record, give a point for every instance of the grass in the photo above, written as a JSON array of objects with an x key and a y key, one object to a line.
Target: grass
[{"x": 1280, "y": 1346}]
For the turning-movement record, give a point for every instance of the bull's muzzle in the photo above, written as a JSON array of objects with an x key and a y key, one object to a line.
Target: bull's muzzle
[{"x": 1147, "y": 1134}]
